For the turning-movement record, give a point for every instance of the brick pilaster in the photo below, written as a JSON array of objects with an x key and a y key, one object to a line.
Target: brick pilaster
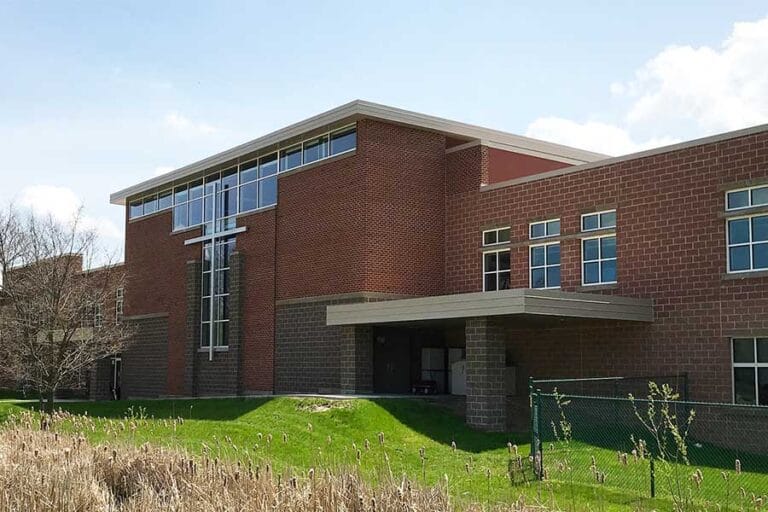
[
  {"x": 356, "y": 358},
  {"x": 194, "y": 269},
  {"x": 486, "y": 401}
]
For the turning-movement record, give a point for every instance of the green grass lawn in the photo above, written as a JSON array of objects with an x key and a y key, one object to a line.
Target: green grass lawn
[{"x": 476, "y": 470}]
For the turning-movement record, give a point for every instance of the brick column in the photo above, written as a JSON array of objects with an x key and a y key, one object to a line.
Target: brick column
[
  {"x": 356, "y": 358},
  {"x": 486, "y": 401},
  {"x": 235, "y": 315},
  {"x": 194, "y": 269}
]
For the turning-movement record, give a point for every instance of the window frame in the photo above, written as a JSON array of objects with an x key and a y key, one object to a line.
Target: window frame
[
  {"x": 531, "y": 267},
  {"x": 749, "y": 244},
  {"x": 546, "y": 225},
  {"x": 749, "y": 197},
  {"x": 599, "y": 222},
  {"x": 495, "y": 230},
  {"x": 755, "y": 365},
  {"x": 497, "y": 271},
  {"x": 119, "y": 305},
  {"x": 599, "y": 260}
]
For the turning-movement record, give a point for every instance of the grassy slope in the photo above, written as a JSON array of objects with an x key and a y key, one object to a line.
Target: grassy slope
[{"x": 407, "y": 425}]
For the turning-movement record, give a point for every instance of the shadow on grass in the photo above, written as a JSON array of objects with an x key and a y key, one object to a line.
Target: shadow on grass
[{"x": 443, "y": 426}]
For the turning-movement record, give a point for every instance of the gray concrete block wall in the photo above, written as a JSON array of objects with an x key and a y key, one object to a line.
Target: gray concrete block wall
[
  {"x": 356, "y": 359},
  {"x": 486, "y": 397}
]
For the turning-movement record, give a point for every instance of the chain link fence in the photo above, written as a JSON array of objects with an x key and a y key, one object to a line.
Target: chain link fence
[{"x": 655, "y": 446}]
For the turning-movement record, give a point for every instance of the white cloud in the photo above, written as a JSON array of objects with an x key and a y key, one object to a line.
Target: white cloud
[
  {"x": 63, "y": 205},
  {"x": 686, "y": 91},
  {"x": 591, "y": 135},
  {"x": 183, "y": 125}
]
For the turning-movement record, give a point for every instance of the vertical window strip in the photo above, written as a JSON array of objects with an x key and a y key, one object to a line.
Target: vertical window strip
[{"x": 544, "y": 264}]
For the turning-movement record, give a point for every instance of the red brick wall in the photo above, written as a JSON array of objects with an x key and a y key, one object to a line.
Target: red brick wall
[
  {"x": 155, "y": 265},
  {"x": 671, "y": 247},
  {"x": 506, "y": 165}
]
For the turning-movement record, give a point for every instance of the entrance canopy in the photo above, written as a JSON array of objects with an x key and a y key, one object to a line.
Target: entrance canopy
[{"x": 520, "y": 301}]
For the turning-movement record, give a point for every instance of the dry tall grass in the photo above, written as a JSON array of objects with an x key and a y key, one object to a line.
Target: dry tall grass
[{"x": 45, "y": 471}]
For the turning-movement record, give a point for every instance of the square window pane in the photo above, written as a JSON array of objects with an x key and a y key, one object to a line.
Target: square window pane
[
  {"x": 738, "y": 231},
  {"x": 537, "y": 256},
  {"x": 268, "y": 165},
  {"x": 589, "y": 222},
  {"x": 504, "y": 280},
  {"x": 760, "y": 228},
  {"x": 489, "y": 260},
  {"x": 591, "y": 249},
  {"x": 248, "y": 172},
  {"x": 249, "y": 196},
  {"x": 503, "y": 235},
  {"x": 150, "y": 205},
  {"x": 135, "y": 210},
  {"x": 608, "y": 271},
  {"x": 489, "y": 238},
  {"x": 762, "y": 386},
  {"x": 180, "y": 194},
  {"x": 490, "y": 282},
  {"x": 315, "y": 149},
  {"x": 164, "y": 200},
  {"x": 738, "y": 199},
  {"x": 553, "y": 228},
  {"x": 760, "y": 196},
  {"x": 538, "y": 278},
  {"x": 591, "y": 273},
  {"x": 196, "y": 190},
  {"x": 553, "y": 254},
  {"x": 760, "y": 256},
  {"x": 608, "y": 220},
  {"x": 504, "y": 260},
  {"x": 744, "y": 385},
  {"x": 538, "y": 230},
  {"x": 608, "y": 247},
  {"x": 290, "y": 158},
  {"x": 744, "y": 350},
  {"x": 762, "y": 350},
  {"x": 268, "y": 192},
  {"x": 180, "y": 216},
  {"x": 739, "y": 258},
  {"x": 228, "y": 179},
  {"x": 343, "y": 140},
  {"x": 553, "y": 276}
]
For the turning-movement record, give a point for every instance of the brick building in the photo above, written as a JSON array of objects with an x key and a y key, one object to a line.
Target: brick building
[{"x": 371, "y": 249}]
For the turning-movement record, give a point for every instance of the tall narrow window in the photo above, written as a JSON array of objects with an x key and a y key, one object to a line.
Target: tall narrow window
[
  {"x": 214, "y": 324},
  {"x": 750, "y": 371},
  {"x": 496, "y": 270},
  {"x": 119, "y": 301},
  {"x": 545, "y": 265},
  {"x": 748, "y": 243},
  {"x": 599, "y": 260}
]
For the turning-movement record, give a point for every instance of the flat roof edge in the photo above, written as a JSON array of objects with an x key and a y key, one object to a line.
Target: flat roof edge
[
  {"x": 719, "y": 137},
  {"x": 365, "y": 109}
]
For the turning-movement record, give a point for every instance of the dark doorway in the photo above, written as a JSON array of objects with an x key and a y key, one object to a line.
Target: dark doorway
[{"x": 391, "y": 361}]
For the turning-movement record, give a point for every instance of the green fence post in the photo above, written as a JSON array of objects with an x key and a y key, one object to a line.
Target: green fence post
[{"x": 653, "y": 478}]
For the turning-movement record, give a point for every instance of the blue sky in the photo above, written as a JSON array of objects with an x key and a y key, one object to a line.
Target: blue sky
[{"x": 96, "y": 96}]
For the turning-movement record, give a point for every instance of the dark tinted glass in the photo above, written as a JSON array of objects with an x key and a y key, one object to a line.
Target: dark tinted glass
[
  {"x": 553, "y": 276},
  {"x": 164, "y": 200},
  {"x": 249, "y": 197},
  {"x": 268, "y": 165},
  {"x": 503, "y": 280},
  {"x": 553, "y": 254},
  {"x": 762, "y": 386},
  {"x": 290, "y": 158},
  {"x": 760, "y": 256},
  {"x": 268, "y": 192},
  {"x": 538, "y": 230},
  {"x": 762, "y": 350},
  {"x": 591, "y": 249},
  {"x": 760, "y": 228},
  {"x": 504, "y": 260},
  {"x": 760, "y": 196},
  {"x": 738, "y": 231},
  {"x": 248, "y": 172},
  {"x": 608, "y": 247},
  {"x": 591, "y": 273},
  {"x": 490, "y": 262},
  {"x": 739, "y": 258},
  {"x": 537, "y": 256},
  {"x": 744, "y": 350},
  {"x": 738, "y": 199},
  {"x": 608, "y": 271},
  {"x": 537, "y": 278},
  {"x": 343, "y": 141},
  {"x": 489, "y": 237},
  {"x": 503, "y": 235},
  {"x": 315, "y": 149},
  {"x": 589, "y": 222},
  {"x": 744, "y": 385},
  {"x": 490, "y": 282}
]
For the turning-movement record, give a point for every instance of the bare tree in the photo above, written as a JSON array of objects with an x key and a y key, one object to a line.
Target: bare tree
[{"x": 52, "y": 299}]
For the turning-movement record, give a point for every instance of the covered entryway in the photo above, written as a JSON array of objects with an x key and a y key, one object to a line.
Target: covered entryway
[{"x": 483, "y": 319}]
